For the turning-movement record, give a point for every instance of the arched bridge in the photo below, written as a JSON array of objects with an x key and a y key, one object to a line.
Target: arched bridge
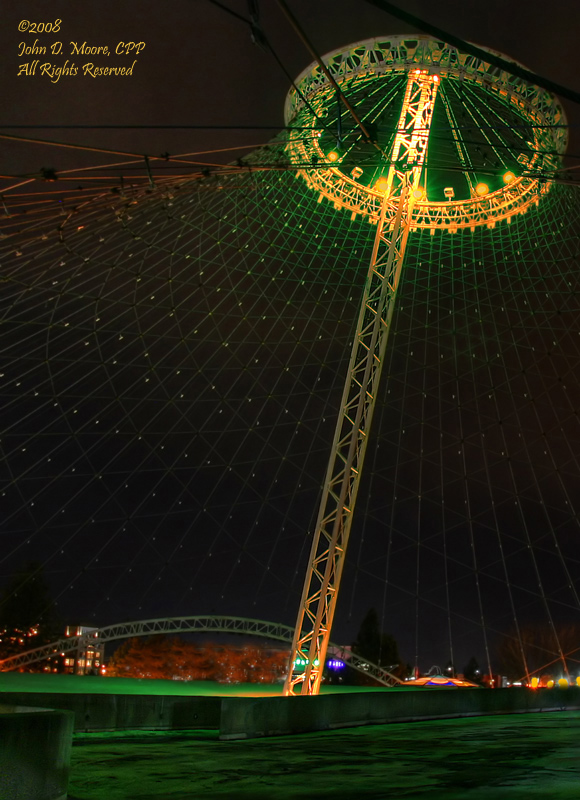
[{"x": 200, "y": 624}]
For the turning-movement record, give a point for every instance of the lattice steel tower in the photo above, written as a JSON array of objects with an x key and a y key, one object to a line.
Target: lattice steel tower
[{"x": 397, "y": 87}]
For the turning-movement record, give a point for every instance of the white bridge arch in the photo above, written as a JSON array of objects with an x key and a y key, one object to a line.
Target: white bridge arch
[{"x": 199, "y": 624}]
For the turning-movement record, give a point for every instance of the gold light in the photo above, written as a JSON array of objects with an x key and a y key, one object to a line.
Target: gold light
[
  {"x": 418, "y": 193},
  {"x": 333, "y": 155},
  {"x": 481, "y": 189},
  {"x": 382, "y": 185},
  {"x": 509, "y": 177}
]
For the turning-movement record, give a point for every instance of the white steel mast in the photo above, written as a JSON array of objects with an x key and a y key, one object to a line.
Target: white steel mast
[{"x": 401, "y": 190}]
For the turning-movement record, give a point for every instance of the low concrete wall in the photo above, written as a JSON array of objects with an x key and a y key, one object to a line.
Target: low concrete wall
[
  {"x": 111, "y": 712},
  {"x": 245, "y": 718},
  {"x": 35, "y": 753},
  {"x": 249, "y": 717}
]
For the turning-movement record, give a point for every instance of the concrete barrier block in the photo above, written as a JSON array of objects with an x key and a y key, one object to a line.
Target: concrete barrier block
[
  {"x": 34, "y": 753},
  {"x": 110, "y": 712},
  {"x": 195, "y": 712},
  {"x": 244, "y": 717}
]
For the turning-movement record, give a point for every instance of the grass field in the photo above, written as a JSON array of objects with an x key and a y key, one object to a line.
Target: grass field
[{"x": 94, "y": 684}]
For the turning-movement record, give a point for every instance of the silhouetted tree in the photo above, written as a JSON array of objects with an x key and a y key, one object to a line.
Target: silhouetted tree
[
  {"x": 380, "y": 648},
  {"x": 539, "y": 647},
  {"x": 28, "y": 617},
  {"x": 472, "y": 672}
]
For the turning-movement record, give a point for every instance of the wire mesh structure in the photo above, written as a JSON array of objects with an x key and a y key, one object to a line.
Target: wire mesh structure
[{"x": 173, "y": 361}]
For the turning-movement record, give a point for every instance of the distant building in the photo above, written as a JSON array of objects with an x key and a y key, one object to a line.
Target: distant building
[{"x": 89, "y": 656}]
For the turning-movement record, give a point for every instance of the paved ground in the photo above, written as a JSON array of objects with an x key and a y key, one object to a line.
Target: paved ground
[{"x": 517, "y": 757}]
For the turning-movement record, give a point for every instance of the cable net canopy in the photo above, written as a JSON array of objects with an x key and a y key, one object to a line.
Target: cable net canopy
[{"x": 172, "y": 369}]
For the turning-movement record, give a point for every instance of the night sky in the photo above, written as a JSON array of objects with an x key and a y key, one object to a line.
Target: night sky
[
  {"x": 142, "y": 345},
  {"x": 200, "y": 66}
]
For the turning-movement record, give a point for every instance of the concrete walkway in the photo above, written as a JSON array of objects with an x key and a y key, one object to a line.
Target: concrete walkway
[{"x": 517, "y": 757}]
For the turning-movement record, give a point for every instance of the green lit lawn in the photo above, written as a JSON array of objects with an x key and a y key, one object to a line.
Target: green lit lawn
[
  {"x": 94, "y": 684},
  {"x": 516, "y": 757}
]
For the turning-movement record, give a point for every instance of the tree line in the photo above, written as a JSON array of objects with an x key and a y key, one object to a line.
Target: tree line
[
  {"x": 172, "y": 657},
  {"x": 29, "y": 619}
]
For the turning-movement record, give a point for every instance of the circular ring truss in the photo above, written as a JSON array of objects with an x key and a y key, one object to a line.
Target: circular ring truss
[{"x": 504, "y": 135}]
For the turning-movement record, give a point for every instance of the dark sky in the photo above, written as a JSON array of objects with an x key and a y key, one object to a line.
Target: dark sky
[{"x": 200, "y": 67}]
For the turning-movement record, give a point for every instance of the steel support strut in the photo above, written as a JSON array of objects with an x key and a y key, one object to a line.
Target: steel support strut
[{"x": 342, "y": 481}]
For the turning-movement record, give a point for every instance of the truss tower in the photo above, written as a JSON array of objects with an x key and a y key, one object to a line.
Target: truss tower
[{"x": 393, "y": 86}]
